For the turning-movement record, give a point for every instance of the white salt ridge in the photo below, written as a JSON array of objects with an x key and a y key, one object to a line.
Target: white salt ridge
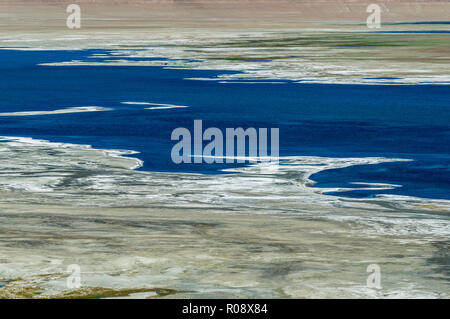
[
  {"x": 80, "y": 109},
  {"x": 28, "y": 141},
  {"x": 373, "y": 186},
  {"x": 158, "y": 106}
]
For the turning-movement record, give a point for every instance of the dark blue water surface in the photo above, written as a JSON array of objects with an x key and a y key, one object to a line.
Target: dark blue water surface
[{"x": 407, "y": 121}]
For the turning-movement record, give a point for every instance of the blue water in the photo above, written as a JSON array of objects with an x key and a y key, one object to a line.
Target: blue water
[{"x": 409, "y": 121}]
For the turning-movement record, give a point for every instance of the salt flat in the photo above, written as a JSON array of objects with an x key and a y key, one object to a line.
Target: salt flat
[{"x": 256, "y": 233}]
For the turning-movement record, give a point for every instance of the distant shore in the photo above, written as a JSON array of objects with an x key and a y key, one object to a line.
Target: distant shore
[{"x": 231, "y": 14}]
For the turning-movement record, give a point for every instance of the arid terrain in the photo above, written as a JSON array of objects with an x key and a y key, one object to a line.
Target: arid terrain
[{"x": 147, "y": 234}]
